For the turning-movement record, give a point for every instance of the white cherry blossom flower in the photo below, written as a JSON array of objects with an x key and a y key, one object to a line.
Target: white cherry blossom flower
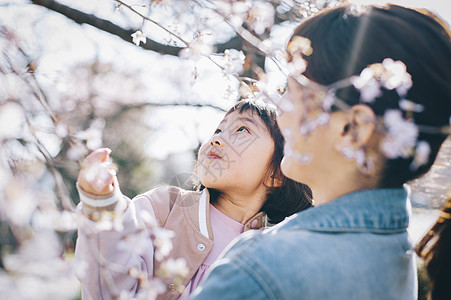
[
  {"x": 138, "y": 37},
  {"x": 285, "y": 105},
  {"x": 148, "y": 219},
  {"x": 396, "y": 76},
  {"x": 55, "y": 220},
  {"x": 260, "y": 16},
  {"x": 76, "y": 152},
  {"x": 268, "y": 47},
  {"x": 150, "y": 289},
  {"x": 303, "y": 158},
  {"x": 234, "y": 61},
  {"x": 389, "y": 74},
  {"x": 174, "y": 267},
  {"x": 299, "y": 45},
  {"x": 311, "y": 125},
  {"x": 18, "y": 202},
  {"x": 93, "y": 135},
  {"x": 196, "y": 49},
  {"x": 367, "y": 85},
  {"x": 235, "y": 10},
  {"x": 126, "y": 295},
  {"x": 109, "y": 221},
  {"x": 408, "y": 105},
  {"x": 162, "y": 242},
  {"x": 12, "y": 120},
  {"x": 296, "y": 66},
  {"x": 138, "y": 241},
  {"x": 329, "y": 100},
  {"x": 401, "y": 135},
  {"x": 98, "y": 174},
  {"x": 323, "y": 119},
  {"x": 421, "y": 157},
  {"x": 61, "y": 130}
]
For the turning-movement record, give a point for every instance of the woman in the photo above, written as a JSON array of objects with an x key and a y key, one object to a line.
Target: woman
[
  {"x": 435, "y": 248},
  {"x": 366, "y": 110}
]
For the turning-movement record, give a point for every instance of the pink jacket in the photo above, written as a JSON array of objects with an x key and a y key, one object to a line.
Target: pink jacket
[{"x": 110, "y": 255}]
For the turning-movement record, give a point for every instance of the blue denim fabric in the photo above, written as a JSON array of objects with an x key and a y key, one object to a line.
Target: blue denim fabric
[{"x": 355, "y": 247}]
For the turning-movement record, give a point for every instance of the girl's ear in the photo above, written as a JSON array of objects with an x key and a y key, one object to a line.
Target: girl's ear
[
  {"x": 357, "y": 128},
  {"x": 278, "y": 180}
]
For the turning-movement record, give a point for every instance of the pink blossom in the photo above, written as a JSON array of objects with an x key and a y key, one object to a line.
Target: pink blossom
[{"x": 401, "y": 135}]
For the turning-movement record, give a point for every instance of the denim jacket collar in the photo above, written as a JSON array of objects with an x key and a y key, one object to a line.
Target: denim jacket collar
[{"x": 378, "y": 211}]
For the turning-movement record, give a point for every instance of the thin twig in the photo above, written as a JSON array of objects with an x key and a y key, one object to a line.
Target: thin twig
[{"x": 152, "y": 21}]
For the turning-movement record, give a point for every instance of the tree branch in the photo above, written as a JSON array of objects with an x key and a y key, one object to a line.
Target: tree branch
[
  {"x": 125, "y": 34},
  {"x": 156, "y": 104}
]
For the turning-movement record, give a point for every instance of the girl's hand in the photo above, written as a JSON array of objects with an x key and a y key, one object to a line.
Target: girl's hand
[{"x": 97, "y": 175}]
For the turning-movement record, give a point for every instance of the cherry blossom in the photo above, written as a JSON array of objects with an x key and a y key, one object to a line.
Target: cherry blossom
[
  {"x": 234, "y": 61},
  {"x": 162, "y": 241},
  {"x": 421, "y": 156},
  {"x": 408, "y": 105},
  {"x": 236, "y": 11},
  {"x": 260, "y": 16},
  {"x": 401, "y": 135},
  {"x": 368, "y": 86},
  {"x": 396, "y": 76},
  {"x": 138, "y": 37},
  {"x": 389, "y": 74},
  {"x": 174, "y": 268},
  {"x": 196, "y": 49}
]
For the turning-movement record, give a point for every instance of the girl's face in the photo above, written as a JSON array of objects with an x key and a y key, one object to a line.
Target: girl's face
[
  {"x": 307, "y": 157},
  {"x": 237, "y": 156}
]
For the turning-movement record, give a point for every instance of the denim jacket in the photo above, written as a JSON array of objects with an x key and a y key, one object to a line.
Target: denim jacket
[{"x": 355, "y": 247}]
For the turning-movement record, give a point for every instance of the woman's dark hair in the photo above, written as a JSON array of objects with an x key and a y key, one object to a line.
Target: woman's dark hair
[
  {"x": 439, "y": 266},
  {"x": 437, "y": 256},
  {"x": 345, "y": 40},
  {"x": 291, "y": 197}
]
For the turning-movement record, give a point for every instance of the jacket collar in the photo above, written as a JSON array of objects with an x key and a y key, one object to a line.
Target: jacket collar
[
  {"x": 256, "y": 222},
  {"x": 378, "y": 210}
]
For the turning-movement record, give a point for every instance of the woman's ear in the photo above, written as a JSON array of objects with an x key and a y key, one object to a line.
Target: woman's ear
[{"x": 358, "y": 128}]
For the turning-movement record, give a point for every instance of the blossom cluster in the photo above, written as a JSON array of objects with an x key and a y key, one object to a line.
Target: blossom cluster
[
  {"x": 398, "y": 126},
  {"x": 401, "y": 136}
]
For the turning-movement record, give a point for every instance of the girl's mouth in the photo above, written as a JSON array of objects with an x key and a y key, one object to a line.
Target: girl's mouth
[{"x": 213, "y": 155}]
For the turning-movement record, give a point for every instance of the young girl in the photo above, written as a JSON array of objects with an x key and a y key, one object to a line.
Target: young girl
[
  {"x": 239, "y": 168},
  {"x": 367, "y": 114}
]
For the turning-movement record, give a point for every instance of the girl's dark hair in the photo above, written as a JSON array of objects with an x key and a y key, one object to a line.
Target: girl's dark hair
[
  {"x": 291, "y": 197},
  {"x": 345, "y": 40}
]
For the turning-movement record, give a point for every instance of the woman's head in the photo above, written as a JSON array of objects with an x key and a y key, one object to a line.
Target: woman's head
[
  {"x": 247, "y": 149},
  {"x": 345, "y": 41}
]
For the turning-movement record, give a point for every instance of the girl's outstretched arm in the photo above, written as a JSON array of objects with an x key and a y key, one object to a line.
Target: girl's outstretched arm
[{"x": 114, "y": 252}]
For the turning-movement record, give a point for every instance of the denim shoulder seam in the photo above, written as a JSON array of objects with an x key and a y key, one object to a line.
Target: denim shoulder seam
[{"x": 350, "y": 230}]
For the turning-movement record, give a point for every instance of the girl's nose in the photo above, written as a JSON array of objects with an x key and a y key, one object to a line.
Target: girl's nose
[{"x": 216, "y": 141}]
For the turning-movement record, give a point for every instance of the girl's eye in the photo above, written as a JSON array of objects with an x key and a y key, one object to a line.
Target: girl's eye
[
  {"x": 243, "y": 129},
  {"x": 218, "y": 131}
]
